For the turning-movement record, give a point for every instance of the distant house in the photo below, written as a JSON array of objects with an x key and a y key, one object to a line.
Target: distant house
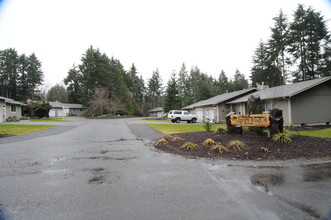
[
  {"x": 215, "y": 108},
  {"x": 157, "y": 112},
  {"x": 10, "y": 108},
  {"x": 307, "y": 102},
  {"x": 60, "y": 109}
]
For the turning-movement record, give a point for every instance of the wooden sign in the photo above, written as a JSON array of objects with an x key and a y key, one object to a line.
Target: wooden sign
[{"x": 257, "y": 120}]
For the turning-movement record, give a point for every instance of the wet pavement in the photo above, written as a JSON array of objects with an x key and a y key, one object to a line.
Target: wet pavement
[{"x": 107, "y": 169}]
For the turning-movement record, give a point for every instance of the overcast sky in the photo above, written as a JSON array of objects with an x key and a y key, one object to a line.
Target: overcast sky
[{"x": 215, "y": 35}]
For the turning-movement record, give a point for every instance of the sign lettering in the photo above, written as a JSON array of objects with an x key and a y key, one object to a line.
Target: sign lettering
[{"x": 257, "y": 120}]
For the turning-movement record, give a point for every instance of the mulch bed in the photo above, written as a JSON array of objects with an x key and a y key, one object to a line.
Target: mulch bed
[{"x": 302, "y": 147}]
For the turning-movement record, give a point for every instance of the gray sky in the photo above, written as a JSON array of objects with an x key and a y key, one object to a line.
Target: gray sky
[{"x": 215, "y": 35}]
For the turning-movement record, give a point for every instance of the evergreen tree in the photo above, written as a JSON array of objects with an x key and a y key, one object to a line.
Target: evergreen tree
[
  {"x": 239, "y": 82},
  {"x": 9, "y": 73},
  {"x": 223, "y": 83},
  {"x": 184, "y": 85},
  {"x": 308, "y": 35},
  {"x": 57, "y": 93},
  {"x": 75, "y": 87},
  {"x": 35, "y": 75},
  {"x": 155, "y": 89},
  {"x": 278, "y": 44},
  {"x": 172, "y": 97}
]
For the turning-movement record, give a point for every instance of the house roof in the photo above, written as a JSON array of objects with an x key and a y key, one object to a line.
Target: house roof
[
  {"x": 220, "y": 98},
  {"x": 283, "y": 91},
  {"x": 11, "y": 101},
  {"x": 58, "y": 104},
  {"x": 158, "y": 109}
]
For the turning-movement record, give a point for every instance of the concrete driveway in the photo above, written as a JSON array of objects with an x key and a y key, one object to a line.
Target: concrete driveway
[{"x": 107, "y": 169}]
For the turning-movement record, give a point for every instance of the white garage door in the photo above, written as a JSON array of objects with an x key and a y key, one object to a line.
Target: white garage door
[{"x": 199, "y": 113}]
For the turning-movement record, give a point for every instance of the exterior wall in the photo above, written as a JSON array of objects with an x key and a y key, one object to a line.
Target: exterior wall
[
  {"x": 222, "y": 111},
  {"x": 2, "y": 111},
  {"x": 157, "y": 114},
  {"x": 312, "y": 106},
  {"x": 56, "y": 112},
  {"x": 199, "y": 114},
  {"x": 17, "y": 113},
  {"x": 76, "y": 111}
]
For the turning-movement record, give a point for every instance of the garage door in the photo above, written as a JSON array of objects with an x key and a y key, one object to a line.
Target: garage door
[{"x": 199, "y": 113}]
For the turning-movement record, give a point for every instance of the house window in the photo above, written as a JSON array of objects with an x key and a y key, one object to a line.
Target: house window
[{"x": 13, "y": 108}]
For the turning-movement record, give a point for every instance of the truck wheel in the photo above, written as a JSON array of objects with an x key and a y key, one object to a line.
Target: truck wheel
[
  {"x": 194, "y": 120},
  {"x": 173, "y": 121},
  {"x": 188, "y": 121},
  {"x": 177, "y": 120}
]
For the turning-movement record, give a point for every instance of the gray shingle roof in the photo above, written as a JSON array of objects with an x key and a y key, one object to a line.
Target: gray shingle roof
[
  {"x": 11, "y": 101},
  {"x": 158, "y": 109},
  {"x": 220, "y": 98},
  {"x": 283, "y": 91},
  {"x": 58, "y": 104}
]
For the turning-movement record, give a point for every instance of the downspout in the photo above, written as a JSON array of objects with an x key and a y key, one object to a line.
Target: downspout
[{"x": 289, "y": 111}]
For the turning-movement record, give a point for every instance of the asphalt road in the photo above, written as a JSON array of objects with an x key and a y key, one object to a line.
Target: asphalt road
[{"x": 108, "y": 169}]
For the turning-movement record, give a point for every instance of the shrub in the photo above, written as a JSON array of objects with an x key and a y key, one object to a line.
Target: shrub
[
  {"x": 218, "y": 148},
  {"x": 284, "y": 138},
  {"x": 189, "y": 146},
  {"x": 246, "y": 130},
  {"x": 207, "y": 124},
  {"x": 12, "y": 119},
  {"x": 209, "y": 141},
  {"x": 168, "y": 137},
  {"x": 236, "y": 145},
  {"x": 177, "y": 139},
  {"x": 161, "y": 142},
  {"x": 220, "y": 130}
]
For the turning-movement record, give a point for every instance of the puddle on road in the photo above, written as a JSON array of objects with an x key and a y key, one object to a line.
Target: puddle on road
[
  {"x": 266, "y": 180},
  {"x": 316, "y": 172}
]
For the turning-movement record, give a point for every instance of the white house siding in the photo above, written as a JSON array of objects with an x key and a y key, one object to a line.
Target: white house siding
[
  {"x": 312, "y": 106},
  {"x": 2, "y": 111},
  {"x": 10, "y": 113},
  {"x": 208, "y": 113}
]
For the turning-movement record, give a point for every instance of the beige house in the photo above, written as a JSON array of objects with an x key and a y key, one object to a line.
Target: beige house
[
  {"x": 215, "y": 109},
  {"x": 307, "y": 102}
]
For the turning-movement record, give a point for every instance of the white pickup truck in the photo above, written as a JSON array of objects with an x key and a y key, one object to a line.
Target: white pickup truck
[{"x": 181, "y": 115}]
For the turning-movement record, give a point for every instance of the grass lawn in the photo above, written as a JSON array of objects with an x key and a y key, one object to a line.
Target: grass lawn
[
  {"x": 314, "y": 133},
  {"x": 50, "y": 119},
  {"x": 181, "y": 128},
  {"x": 22, "y": 129},
  {"x": 154, "y": 120}
]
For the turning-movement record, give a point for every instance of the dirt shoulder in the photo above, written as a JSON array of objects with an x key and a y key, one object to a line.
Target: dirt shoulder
[{"x": 302, "y": 147}]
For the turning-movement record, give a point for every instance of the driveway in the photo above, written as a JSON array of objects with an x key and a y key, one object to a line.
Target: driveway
[{"x": 108, "y": 169}]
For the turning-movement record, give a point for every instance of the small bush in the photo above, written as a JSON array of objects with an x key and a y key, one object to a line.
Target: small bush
[
  {"x": 168, "y": 137},
  {"x": 161, "y": 142},
  {"x": 12, "y": 119},
  {"x": 218, "y": 148},
  {"x": 207, "y": 124},
  {"x": 284, "y": 138},
  {"x": 265, "y": 149},
  {"x": 236, "y": 145},
  {"x": 189, "y": 146},
  {"x": 220, "y": 130},
  {"x": 209, "y": 141},
  {"x": 246, "y": 130},
  {"x": 177, "y": 139}
]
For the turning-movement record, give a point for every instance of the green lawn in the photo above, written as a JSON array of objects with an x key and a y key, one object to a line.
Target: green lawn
[
  {"x": 154, "y": 120},
  {"x": 314, "y": 133},
  {"x": 50, "y": 119},
  {"x": 12, "y": 129},
  {"x": 181, "y": 128}
]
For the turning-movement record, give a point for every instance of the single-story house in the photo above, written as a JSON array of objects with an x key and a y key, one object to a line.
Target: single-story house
[
  {"x": 215, "y": 108},
  {"x": 156, "y": 112},
  {"x": 60, "y": 109},
  {"x": 10, "y": 108},
  {"x": 307, "y": 102}
]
